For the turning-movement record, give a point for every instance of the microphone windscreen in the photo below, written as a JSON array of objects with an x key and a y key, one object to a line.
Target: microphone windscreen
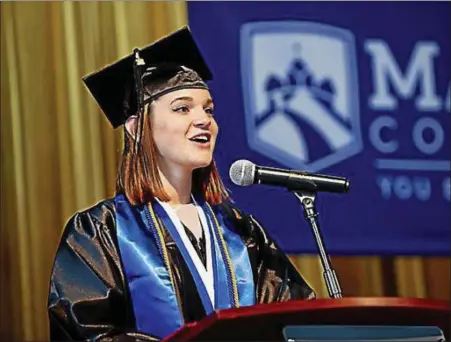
[{"x": 242, "y": 172}]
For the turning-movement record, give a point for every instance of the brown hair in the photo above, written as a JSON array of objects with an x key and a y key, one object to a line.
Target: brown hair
[{"x": 138, "y": 177}]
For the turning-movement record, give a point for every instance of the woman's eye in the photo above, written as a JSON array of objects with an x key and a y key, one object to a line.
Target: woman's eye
[
  {"x": 182, "y": 109},
  {"x": 209, "y": 111}
]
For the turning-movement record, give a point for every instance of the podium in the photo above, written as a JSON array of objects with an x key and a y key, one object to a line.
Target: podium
[{"x": 265, "y": 322}]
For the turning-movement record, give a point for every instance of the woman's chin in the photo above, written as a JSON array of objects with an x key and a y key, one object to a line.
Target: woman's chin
[{"x": 200, "y": 163}]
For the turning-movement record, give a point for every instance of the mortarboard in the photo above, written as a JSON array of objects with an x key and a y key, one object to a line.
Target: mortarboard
[{"x": 111, "y": 85}]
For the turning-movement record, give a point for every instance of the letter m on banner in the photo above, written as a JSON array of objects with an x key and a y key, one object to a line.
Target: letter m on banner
[{"x": 300, "y": 90}]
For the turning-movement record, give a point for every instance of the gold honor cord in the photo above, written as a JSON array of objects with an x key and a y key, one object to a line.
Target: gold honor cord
[
  {"x": 166, "y": 257},
  {"x": 236, "y": 301}
]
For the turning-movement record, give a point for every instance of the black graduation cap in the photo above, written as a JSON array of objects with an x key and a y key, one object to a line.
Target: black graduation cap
[{"x": 110, "y": 86}]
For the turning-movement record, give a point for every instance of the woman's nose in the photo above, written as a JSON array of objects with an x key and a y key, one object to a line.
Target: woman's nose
[
  {"x": 202, "y": 120},
  {"x": 202, "y": 123}
]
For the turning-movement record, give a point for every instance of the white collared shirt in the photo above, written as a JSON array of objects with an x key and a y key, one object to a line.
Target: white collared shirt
[{"x": 206, "y": 273}]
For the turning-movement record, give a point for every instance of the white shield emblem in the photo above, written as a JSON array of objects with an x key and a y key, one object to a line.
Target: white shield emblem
[{"x": 300, "y": 93}]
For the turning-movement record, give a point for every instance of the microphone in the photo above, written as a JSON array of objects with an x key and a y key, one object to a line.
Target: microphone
[{"x": 243, "y": 173}]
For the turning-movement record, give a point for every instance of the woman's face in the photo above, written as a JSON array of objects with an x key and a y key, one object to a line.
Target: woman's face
[{"x": 184, "y": 129}]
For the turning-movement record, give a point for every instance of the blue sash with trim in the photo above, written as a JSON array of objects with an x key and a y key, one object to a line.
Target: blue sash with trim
[{"x": 145, "y": 261}]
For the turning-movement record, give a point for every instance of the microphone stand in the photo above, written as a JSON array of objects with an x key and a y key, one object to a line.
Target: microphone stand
[{"x": 307, "y": 199}]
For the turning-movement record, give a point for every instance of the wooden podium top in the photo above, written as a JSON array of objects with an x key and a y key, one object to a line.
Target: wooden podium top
[{"x": 266, "y": 321}]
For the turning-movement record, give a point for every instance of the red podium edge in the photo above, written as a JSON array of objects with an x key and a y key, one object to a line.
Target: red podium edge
[{"x": 192, "y": 329}]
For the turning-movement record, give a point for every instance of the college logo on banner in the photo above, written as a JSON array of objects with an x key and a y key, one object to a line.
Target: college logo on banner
[
  {"x": 300, "y": 78},
  {"x": 301, "y": 91}
]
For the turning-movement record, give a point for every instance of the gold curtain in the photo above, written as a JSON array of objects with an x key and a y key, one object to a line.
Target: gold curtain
[{"x": 59, "y": 154}]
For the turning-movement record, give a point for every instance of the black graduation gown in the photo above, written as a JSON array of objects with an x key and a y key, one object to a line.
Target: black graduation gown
[{"x": 96, "y": 304}]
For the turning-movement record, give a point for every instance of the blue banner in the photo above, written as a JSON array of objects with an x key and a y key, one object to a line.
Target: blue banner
[{"x": 360, "y": 90}]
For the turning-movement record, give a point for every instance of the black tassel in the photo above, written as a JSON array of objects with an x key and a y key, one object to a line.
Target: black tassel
[{"x": 138, "y": 67}]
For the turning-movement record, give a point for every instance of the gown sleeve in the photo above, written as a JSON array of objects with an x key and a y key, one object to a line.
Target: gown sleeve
[
  {"x": 275, "y": 276},
  {"x": 279, "y": 280},
  {"x": 88, "y": 295}
]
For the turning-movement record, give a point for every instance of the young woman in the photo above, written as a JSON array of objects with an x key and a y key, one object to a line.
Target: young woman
[{"x": 170, "y": 247}]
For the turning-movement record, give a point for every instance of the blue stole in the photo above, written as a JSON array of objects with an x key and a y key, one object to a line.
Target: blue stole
[{"x": 147, "y": 266}]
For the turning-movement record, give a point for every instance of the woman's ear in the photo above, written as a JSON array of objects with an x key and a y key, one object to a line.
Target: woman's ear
[{"x": 130, "y": 125}]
